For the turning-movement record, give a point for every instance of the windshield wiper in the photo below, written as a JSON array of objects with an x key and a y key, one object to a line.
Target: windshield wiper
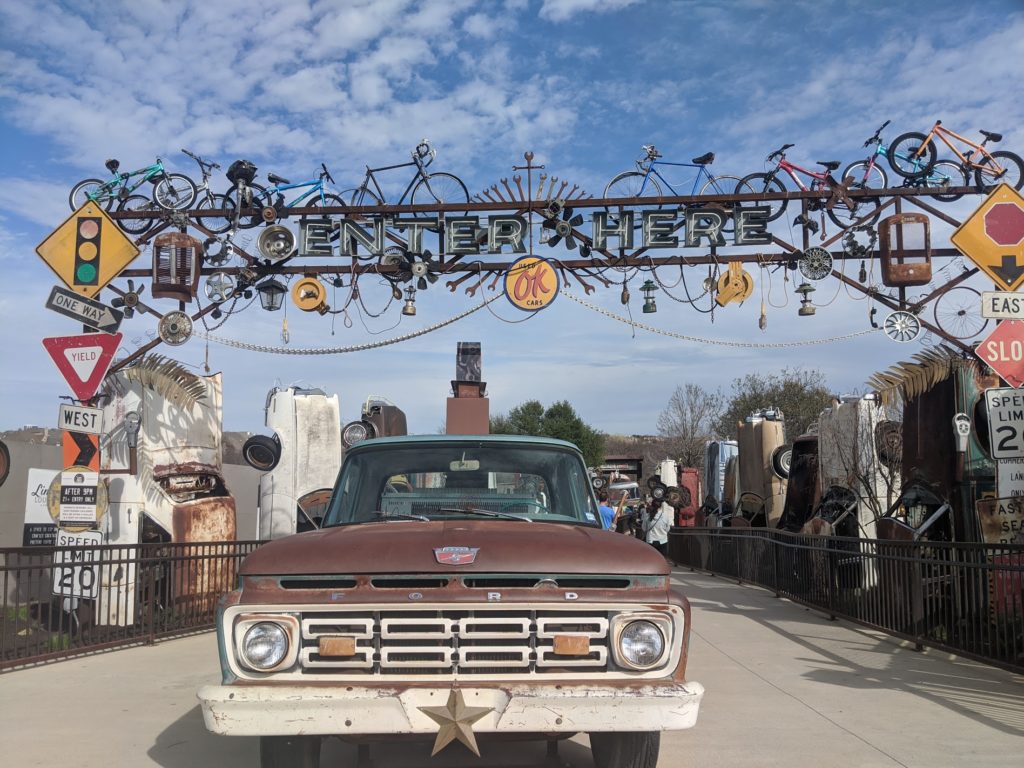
[
  {"x": 484, "y": 513},
  {"x": 399, "y": 516}
]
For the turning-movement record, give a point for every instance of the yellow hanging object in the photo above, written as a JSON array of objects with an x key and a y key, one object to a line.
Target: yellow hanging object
[
  {"x": 285, "y": 337},
  {"x": 734, "y": 285},
  {"x": 310, "y": 295}
]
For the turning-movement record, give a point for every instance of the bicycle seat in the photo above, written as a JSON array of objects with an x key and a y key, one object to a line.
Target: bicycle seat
[
  {"x": 706, "y": 159},
  {"x": 273, "y": 178},
  {"x": 830, "y": 165},
  {"x": 113, "y": 165},
  {"x": 992, "y": 136}
]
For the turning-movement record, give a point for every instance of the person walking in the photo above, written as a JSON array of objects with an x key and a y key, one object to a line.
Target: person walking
[{"x": 656, "y": 525}]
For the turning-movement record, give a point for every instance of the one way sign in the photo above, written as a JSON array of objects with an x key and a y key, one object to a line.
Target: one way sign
[{"x": 94, "y": 314}]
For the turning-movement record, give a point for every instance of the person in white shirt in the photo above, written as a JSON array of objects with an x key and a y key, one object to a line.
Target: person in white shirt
[{"x": 656, "y": 525}]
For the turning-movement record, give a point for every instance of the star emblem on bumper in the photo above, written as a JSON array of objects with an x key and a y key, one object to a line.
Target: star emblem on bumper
[{"x": 456, "y": 722}]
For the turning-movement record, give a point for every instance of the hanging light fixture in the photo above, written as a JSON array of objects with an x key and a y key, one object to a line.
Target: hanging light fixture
[
  {"x": 410, "y": 302},
  {"x": 648, "y": 289},
  {"x": 624, "y": 296},
  {"x": 863, "y": 274},
  {"x": 806, "y": 308},
  {"x": 272, "y": 294}
]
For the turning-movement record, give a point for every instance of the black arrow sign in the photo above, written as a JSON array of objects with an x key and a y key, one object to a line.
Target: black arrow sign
[
  {"x": 95, "y": 314},
  {"x": 1009, "y": 270},
  {"x": 86, "y": 448}
]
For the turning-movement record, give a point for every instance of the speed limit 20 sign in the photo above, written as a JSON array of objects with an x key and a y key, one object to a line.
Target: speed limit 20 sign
[
  {"x": 1005, "y": 407},
  {"x": 76, "y": 572}
]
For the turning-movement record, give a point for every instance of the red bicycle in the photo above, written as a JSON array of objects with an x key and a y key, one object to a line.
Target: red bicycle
[{"x": 820, "y": 181}]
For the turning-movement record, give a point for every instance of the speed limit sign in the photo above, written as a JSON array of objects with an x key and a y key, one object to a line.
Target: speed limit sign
[
  {"x": 1005, "y": 407},
  {"x": 76, "y": 572}
]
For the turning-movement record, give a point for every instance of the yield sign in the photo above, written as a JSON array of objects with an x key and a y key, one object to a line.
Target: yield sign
[
  {"x": 993, "y": 237},
  {"x": 83, "y": 360},
  {"x": 88, "y": 250},
  {"x": 1003, "y": 351}
]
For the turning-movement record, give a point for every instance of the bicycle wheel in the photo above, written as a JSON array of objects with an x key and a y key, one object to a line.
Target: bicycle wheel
[
  {"x": 329, "y": 201},
  {"x": 360, "y": 196},
  {"x": 866, "y": 175},
  {"x": 764, "y": 184},
  {"x": 440, "y": 188},
  {"x": 958, "y": 312},
  {"x": 211, "y": 202},
  {"x": 93, "y": 189},
  {"x": 174, "y": 192},
  {"x": 910, "y": 157},
  {"x": 260, "y": 198},
  {"x": 138, "y": 203},
  {"x": 723, "y": 185},
  {"x": 630, "y": 184},
  {"x": 1001, "y": 161},
  {"x": 946, "y": 174}
]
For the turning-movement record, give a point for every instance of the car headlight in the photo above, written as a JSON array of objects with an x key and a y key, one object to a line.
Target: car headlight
[
  {"x": 641, "y": 644},
  {"x": 264, "y": 645}
]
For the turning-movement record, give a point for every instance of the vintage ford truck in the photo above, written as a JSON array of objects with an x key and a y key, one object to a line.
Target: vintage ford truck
[{"x": 459, "y": 587}]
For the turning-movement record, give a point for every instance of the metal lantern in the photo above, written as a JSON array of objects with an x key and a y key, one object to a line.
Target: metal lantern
[
  {"x": 648, "y": 289},
  {"x": 272, "y": 294},
  {"x": 806, "y": 308},
  {"x": 176, "y": 264},
  {"x": 410, "y": 302}
]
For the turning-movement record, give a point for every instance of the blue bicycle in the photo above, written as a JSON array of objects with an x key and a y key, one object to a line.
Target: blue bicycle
[
  {"x": 648, "y": 181},
  {"x": 271, "y": 200},
  {"x": 868, "y": 174}
]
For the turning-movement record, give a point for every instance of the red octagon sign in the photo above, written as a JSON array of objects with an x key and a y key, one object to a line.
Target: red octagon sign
[
  {"x": 1003, "y": 351},
  {"x": 1004, "y": 223}
]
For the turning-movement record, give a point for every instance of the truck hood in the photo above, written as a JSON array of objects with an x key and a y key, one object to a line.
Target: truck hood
[{"x": 504, "y": 546}]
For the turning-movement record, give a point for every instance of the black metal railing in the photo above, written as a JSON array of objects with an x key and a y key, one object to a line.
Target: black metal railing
[
  {"x": 62, "y": 601},
  {"x": 964, "y": 598}
]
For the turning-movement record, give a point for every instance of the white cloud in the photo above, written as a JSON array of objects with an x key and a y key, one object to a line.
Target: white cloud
[{"x": 563, "y": 10}]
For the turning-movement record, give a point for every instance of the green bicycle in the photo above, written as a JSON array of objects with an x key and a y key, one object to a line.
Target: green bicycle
[{"x": 171, "y": 191}]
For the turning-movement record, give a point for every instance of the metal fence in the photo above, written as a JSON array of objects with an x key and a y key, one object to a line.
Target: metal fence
[
  {"x": 964, "y": 598},
  {"x": 62, "y": 601}
]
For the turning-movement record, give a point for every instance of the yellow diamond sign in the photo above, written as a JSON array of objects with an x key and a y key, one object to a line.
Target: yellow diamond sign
[
  {"x": 88, "y": 250},
  {"x": 993, "y": 237}
]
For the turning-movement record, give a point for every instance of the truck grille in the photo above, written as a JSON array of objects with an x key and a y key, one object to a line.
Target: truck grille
[{"x": 449, "y": 642}]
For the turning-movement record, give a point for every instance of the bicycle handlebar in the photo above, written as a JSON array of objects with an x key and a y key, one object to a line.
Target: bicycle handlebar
[
  {"x": 326, "y": 174},
  {"x": 780, "y": 151},
  {"x": 877, "y": 137},
  {"x": 651, "y": 151},
  {"x": 200, "y": 160}
]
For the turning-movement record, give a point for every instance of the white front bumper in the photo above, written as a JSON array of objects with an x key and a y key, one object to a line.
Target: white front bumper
[{"x": 273, "y": 710}]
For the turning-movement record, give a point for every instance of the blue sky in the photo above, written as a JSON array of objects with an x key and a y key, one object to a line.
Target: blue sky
[{"x": 581, "y": 83}]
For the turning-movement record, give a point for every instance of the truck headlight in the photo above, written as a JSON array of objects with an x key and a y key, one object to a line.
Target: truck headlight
[
  {"x": 264, "y": 645},
  {"x": 642, "y": 642}
]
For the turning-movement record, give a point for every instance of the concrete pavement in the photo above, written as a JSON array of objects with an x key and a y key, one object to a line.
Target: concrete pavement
[{"x": 785, "y": 687}]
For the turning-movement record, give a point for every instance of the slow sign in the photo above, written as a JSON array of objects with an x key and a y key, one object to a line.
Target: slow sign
[
  {"x": 1003, "y": 351},
  {"x": 1005, "y": 408}
]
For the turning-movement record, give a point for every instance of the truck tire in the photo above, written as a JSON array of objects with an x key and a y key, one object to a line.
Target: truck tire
[
  {"x": 262, "y": 452},
  {"x": 625, "y": 750},
  {"x": 289, "y": 752}
]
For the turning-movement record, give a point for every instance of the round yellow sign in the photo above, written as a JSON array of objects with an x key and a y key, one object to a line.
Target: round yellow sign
[
  {"x": 77, "y": 499},
  {"x": 531, "y": 283}
]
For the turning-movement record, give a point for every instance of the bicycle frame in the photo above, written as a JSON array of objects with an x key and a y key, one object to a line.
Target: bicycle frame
[
  {"x": 942, "y": 133},
  {"x": 120, "y": 179},
  {"x": 371, "y": 176},
  {"x": 703, "y": 174},
  {"x": 316, "y": 187},
  {"x": 792, "y": 168}
]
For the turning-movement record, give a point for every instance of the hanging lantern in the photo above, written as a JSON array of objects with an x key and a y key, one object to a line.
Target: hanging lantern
[
  {"x": 648, "y": 289},
  {"x": 272, "y": 294},
  {"x": 806, "y": 308},
  {"x": 410, "y": 302}
]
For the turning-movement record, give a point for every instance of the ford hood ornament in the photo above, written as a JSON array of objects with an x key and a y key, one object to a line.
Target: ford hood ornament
[{"x": 455, "y": 555}]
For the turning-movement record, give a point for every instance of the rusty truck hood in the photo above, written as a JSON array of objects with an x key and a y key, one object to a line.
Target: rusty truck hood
[{"x": 505, "y": 546}]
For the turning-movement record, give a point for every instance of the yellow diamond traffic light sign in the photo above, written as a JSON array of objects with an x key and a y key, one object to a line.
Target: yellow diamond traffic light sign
[
  {"x": 88, "y": 250},
  {"x": 993, "y": 237}
]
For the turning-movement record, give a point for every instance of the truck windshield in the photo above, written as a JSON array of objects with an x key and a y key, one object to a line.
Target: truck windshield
[{"x": 444, "y": 481}]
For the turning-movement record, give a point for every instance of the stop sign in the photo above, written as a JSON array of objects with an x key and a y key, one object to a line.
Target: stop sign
[
  {"x": 1003, "y": 351},
  {"x": 1004, "y": 223}
]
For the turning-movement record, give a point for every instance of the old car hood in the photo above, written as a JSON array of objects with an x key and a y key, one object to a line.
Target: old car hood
[{"x": 505, "y": 546}]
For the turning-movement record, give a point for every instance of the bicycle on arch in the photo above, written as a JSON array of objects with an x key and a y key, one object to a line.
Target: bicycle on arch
[
  {"x": 823, "y": 181},
  {"x": 423, "y": 188},
  {"x": 868, "y": 174},
  {"x": 647, "y": 180},
  {"x": 171, "y": 191},
  {"x": 912, "y": 152},
  {"x": 314, "y": 196}
]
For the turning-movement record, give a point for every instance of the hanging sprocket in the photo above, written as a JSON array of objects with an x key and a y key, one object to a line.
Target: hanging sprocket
[
  {"x": 815, "y": 263},
  {"x": 901, "y": 326}
]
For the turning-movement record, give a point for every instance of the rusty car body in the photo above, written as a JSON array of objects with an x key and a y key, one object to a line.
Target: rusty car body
[{"x": 471, "y": 570}]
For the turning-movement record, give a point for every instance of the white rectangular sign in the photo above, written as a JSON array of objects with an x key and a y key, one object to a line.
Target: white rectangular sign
[
  {"x": 1005, "y": 408},
  {"x": 78, "y": 497},
  {"x": 80, "y": 418},
  {"x": 1010, "y": 478},
  {"x": 76, "y": 573},
  {"x": 40, "y": 530},
  {"x": 1002, "y": 305}
]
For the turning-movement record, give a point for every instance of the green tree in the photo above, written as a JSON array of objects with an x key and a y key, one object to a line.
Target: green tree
[
  {"x": 559, "y": 420},
  {"x": 800, "y": 394}
]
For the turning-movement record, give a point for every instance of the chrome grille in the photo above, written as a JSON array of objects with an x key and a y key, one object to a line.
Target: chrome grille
[{"x": 453, "y": 641}]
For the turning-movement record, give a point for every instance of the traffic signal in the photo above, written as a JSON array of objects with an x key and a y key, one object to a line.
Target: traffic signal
[{"x": 87, "y": 250}]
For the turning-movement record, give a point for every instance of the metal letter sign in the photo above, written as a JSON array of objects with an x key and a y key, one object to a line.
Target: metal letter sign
[
  {"x": 83, "y": 360},
  {"x": 1002, "y": 305},
  {"x": 993, "y": 237},
  {"x": 80, "y": 418},
  {"x": 1005, "y": 422},
  {"x": 86, "y": 311},
  {"x": 88, "y": 250},
  {"x": 76, "y": 572},
  {"x": 1003, "y": 351}
]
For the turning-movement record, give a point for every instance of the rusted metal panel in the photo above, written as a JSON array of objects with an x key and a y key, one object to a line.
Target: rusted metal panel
[{"x": 905, "y": 250}]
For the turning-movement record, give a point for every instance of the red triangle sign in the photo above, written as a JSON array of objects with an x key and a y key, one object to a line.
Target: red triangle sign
[{"x": 83, "y": 360}]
